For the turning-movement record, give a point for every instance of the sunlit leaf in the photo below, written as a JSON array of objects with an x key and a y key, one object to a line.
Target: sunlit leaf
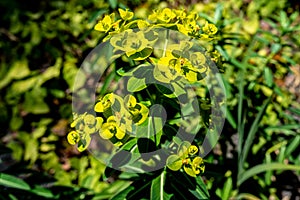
[
  {"x": 174, "y": 162},
  {"x": 12, "y": 181}
]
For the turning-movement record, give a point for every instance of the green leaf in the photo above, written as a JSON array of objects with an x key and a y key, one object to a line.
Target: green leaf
[
  {"x": 120, "y": 159},
  {"x": 178, "y": 88},
  {"x": 155, "y": 126},
  {"x": 34, "y": 101},
  {"x": 223, "y": 52},
  {"x": 113, "y": 188},
  {"x": 166, "y": 89},
  {"x": 227, "y": 188},
  {"x": 129, "y": 144},
  {"x": 113, "y": 3},
  {"x": 142, "y": 55},
  {"x": 247, "y": 196},
  {"x": 201, "y": 188},
  {"x": 268, "y": 76},
  {"x": 16, "y": 120},
  {"x": 12, "y": 181},
  {"x": 174, "y": 162},
  {"x": 292, "y": 146},
  {"x": 183, "y": 149},
  {"x": 75, "y": 77},
  {"x": 151, "y": 127},
  {"x": 218, "y": 13},
  {"x": 253, "y": 130},
  {"x": 51, "y": 72},
  {"x": 132, "y": 191},
  {"x": 108, "y": 80},
  {"x": 39, "y": 132},
  {"x": 145, "y": 146},
  {"x": 40, "y": 191},
  {"x": 157, "y": 188},
  {"x": 230, "y": 118},
  {"x": 135, "y": 84},
  {"x": 195, "y": 186},
  {"x": 22, "y": 86},
  {"x": 262, "y": 168},
  {"x": 18, "y": 70},
  {"x": 252, "y": 24},
  {"x": 123, "y": 193}
]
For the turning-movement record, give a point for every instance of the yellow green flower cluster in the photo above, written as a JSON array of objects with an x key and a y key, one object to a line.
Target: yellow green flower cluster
[
  {"x": 186, "y": 157},
  {"x": 136, "y": 38},
  {"x": 116, "y": 119},
  {"x": 179, "y": 61},
  {"x": 84, "y": 125},
  {"x": 137, "y": 45},
  {"x": 184, "y": 22}
]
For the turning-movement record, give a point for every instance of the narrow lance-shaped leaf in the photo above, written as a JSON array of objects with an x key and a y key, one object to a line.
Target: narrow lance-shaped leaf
[
  {"x": 265, "y": 167},
  {"x": 157, "y": 188},
  {"x": 12, "y": 181},
  {"x": 253, "y": 130}
]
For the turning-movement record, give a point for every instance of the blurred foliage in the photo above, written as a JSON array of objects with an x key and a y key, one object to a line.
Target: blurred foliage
[
  {"x": 42, "y": 47},
  {"x": 41, "y": 50}
]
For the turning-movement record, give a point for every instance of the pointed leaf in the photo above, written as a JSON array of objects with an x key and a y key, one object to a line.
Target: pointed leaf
[
  {"x": 135, "y": 84},
  {"x": 262, "y": 168},
  {"x": 157, "y": 188},
  {"x": 12, "y": 181}
]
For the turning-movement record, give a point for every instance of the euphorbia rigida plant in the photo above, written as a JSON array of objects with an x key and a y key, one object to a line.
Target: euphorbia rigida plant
[{"x": 163, "y": 113}]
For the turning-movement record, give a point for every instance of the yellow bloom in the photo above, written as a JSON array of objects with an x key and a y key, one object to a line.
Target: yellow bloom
[
  {"x": 125, "y": 124},
  {"x": 125, "y": 14},
  {"x": 197, "y": 59},
  {"x": 104, "y": 104},
  {"x": 198, "y": 165},
  {"x": 106, "y": 23},
  {"x": 107, "y": 131},
  {"x": 209, "y": 29},
  {"x": 130, "y": 101},
  {"x": 180, "y": 50},
  {"x": 180, "y": 14},
  {"x": 73, "y": 137},
  {"x": 86, "y": 123},
  {"x": 166, "y": 15},
  {"x": 193, "y": 16},
  {"x": 138, "y": 112},
  {"x": 153, "y": 17},
  {"x": 192, "y": 165},
  {"x": 133, "y": 44},
  {"x": 89, "y": 120},
  {"x": 111, "y": 129},
  {"x": 142, "y": 24},
  {"x": 193, "y": 150},
  {"x": 191, "y": 76}
]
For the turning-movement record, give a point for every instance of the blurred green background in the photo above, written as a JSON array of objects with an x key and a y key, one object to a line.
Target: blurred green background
[{"x": 43, "y": 44}]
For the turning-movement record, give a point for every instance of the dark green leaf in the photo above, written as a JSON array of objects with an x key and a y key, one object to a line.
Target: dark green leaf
[
  {"x": 157, "y": 191},
  {"x": 146, "y": 146},
  {"x": 12, "y": 181},
  {"x": 264, "y": 167},
  {"x": 40, "y": 191}
]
